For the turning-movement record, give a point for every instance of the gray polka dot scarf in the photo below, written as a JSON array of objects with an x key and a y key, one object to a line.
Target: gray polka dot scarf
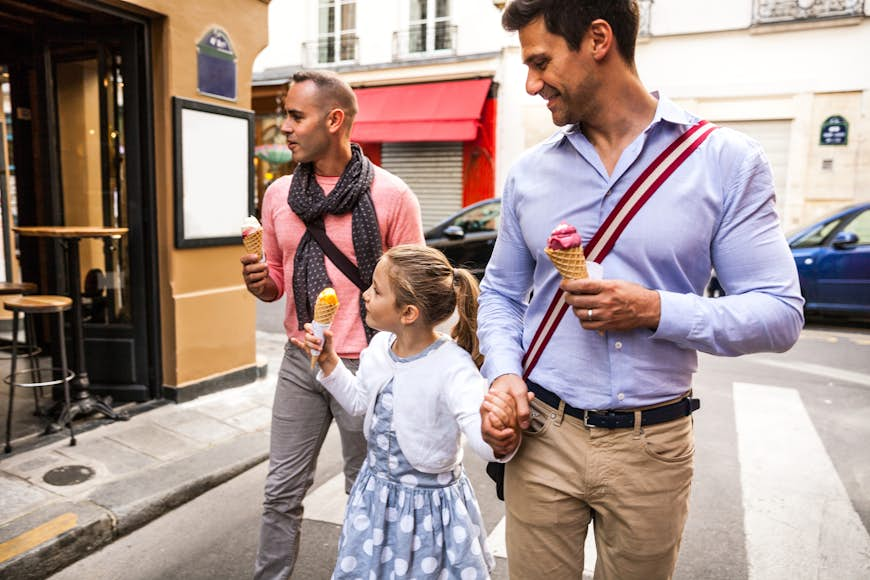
[{"x": 352, "y": 193}]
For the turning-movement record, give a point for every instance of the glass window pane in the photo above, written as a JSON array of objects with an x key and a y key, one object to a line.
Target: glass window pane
[
  {"x": 348, "y": 47},
  {"x": 816, "y": 236},
  {"x": 348, "y": 16},
  {"x": 418, "y": 9},
  {"x": 442, "y": 8},
  {"x": 481, "y": 219},
  {"x": 861, "y": 227},
  {"x": 442, "y": 36},
  {"x": 326, "y": 22},
  {"x": 326, "y": 50},
  {"x": 417, "y": 38}
]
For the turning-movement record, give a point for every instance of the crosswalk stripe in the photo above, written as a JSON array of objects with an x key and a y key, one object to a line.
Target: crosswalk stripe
[
  {"x": 496, "y": 540},
  {"x": 327, "y": 502},
  {"x": 814, "y": 369},
  {"x": 798, "y": 519}
]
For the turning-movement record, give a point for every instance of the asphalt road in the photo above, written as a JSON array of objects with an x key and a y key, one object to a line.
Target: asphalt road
[{"x": 782, "y": 486}]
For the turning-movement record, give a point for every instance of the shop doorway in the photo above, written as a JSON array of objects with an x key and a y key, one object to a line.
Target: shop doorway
[{"x": 79, "y": 102}]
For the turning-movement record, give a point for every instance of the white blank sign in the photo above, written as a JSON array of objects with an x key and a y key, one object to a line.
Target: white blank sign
[{"x": 215, "y": 165}]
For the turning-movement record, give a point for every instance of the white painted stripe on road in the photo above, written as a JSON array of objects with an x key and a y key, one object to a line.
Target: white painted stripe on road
[
  {"x": 496, "y": 540},
  {"x": 798, "y": 519},
  {"x": 327, "y": 502},
  {"x": 814, "y": 369},
  {"x": 498, "y": 547}
]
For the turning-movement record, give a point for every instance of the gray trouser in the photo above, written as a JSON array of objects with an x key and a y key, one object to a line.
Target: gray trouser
[{"x": 301, "y": 416}]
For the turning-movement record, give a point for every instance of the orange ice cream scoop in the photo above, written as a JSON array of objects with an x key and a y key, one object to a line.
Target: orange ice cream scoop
[{"x": 324, "y": 311}]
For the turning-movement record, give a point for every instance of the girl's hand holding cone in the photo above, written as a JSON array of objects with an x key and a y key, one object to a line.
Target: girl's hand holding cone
[{"x": 327, "y": 357}]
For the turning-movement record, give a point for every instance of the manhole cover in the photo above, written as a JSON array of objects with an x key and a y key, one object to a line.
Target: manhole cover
[{"x": 68, "y": 475}]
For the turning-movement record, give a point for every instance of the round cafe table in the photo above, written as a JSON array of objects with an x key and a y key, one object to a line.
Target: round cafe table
[{"x": 82, "y": 401}]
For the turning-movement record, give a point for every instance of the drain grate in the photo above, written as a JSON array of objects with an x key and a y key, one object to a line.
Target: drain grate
[{"x": 68, "y": 475}]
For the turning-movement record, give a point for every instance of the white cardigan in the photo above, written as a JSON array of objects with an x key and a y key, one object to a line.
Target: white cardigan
[{"x": 434, "y": 397}]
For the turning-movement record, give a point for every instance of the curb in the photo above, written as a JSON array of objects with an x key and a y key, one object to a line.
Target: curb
[{"x": 46, "y": 540}]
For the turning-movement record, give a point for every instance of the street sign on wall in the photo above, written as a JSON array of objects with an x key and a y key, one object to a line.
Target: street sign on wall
[
  {"x": 216, "y": 66},
  {"x": 835, "y": 131}
]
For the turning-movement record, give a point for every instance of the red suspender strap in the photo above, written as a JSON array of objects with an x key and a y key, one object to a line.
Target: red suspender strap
[{"x": 602, "y": 242}]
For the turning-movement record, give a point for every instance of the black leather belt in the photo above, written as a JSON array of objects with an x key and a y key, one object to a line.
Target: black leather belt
[{"x": 618, "y": 419}]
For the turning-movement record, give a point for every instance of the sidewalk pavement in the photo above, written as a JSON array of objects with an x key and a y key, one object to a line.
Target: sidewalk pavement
[{"x": 132, "y": 472}]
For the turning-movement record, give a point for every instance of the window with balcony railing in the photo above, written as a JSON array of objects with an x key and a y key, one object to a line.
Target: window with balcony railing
[
  {"x": 417, "y": 41},
  {"x": 429, "y": 30},
  {"x": 773, "y": 11},
  {"x": 337, "y": 41}
]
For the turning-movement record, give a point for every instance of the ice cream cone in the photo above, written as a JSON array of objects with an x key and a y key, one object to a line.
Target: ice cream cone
[
  {"x": 253, "y": 242},
  {"x": 324, "y": 311},
  {"x": 570, "y": 263}
]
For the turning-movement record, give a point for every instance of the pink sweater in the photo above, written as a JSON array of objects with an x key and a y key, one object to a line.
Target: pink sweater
[{"x": 398, "y": 214}]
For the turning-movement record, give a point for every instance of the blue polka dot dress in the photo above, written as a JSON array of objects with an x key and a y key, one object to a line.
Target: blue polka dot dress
[{"x": 403, "y": 523}]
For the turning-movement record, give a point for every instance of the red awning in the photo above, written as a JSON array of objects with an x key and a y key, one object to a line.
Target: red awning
[{"x": 448, "y": 111}]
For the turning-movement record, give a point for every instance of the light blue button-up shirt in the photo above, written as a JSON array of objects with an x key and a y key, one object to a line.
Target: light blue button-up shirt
[{"x": 717, "y": 209}]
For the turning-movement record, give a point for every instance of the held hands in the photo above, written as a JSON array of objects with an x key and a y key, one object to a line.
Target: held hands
[
  {"x": 612, "y": 304},
  {"x": 257, "y": 280},
  {"x": 504, "y": 413},
  {"x": 328, "y": 358}
]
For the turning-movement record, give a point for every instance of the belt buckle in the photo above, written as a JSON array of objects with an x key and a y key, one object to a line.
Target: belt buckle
[{"x": 586, "y": 420}]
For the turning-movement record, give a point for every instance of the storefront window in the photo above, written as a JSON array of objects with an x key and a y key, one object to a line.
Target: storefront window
[
  {"x": 90, "y": 102},
  {"x": 7, "y": 178}
]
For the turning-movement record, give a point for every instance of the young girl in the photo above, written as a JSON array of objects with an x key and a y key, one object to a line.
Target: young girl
[{"x": 412, "y": 512}]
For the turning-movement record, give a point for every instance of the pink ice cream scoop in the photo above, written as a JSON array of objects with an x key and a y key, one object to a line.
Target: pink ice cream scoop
[{"x": 564, "y": 237}]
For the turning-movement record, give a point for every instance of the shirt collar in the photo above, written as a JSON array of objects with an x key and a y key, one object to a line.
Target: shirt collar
[{"x": 666, "y": 110}]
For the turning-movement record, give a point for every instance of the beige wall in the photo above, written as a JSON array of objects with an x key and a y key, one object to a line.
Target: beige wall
[
  {"x": 208, "y": 318},
  {"x": 832, "y": 171}
]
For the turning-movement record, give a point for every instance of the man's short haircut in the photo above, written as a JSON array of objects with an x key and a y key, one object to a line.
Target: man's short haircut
[
  {"x": 334, "y": 92},
  {"x": 571, "y": 18}
]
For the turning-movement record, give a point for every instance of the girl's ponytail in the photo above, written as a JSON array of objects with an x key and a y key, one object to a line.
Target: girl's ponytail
[
  {"x": 465, "y": 330},
  {"x": 422, "y": 276}
]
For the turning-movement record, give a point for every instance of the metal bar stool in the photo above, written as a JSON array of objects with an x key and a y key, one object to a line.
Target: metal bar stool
[
  {"x": 23, "y": 288},
  {"x": 38, "y": 304}
]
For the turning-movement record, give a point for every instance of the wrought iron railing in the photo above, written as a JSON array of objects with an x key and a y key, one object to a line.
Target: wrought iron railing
[
  {"x": 332, "y": 50},
  {"x": 645, "y": 8},
  {"x": 425, "y": 39},
  {"x": 772, "y": 11}
]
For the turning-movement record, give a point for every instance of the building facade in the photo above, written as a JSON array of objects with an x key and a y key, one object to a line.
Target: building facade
[
  {"x": 787, "y": 72},
  {"x": 92, "y": 136},
  {"x": 790, "y": 73},
  {"x": 427, "y": 76}
]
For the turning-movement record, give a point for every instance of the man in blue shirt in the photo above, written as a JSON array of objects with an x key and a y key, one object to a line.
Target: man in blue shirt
[{"x": 628, "y": 344}]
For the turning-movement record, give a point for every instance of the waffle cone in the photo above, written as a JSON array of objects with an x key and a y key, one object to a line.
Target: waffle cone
[
  {"x": 571, "y": 263},
  {"x": 254, "y": 243},
  {"x": 324, "y": 313}
]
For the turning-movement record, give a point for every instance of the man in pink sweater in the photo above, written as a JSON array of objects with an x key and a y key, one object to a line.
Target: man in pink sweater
[{"x": 364, "y": 210}]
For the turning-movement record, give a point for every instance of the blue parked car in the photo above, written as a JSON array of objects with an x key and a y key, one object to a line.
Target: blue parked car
[{"x": 833, "y": 262}]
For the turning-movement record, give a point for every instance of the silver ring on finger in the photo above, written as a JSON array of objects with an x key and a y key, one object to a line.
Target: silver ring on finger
[{"x": 588, "y": 314}]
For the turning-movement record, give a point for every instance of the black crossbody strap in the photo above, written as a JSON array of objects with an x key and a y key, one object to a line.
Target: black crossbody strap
[{"x": 342, "y": 262}]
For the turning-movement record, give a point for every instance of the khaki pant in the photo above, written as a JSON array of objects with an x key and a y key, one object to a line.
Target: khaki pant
[{"x": 633, "y": 484}]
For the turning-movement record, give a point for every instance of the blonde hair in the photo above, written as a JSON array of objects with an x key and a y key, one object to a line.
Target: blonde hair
[{"x": 421, "y": 276}]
